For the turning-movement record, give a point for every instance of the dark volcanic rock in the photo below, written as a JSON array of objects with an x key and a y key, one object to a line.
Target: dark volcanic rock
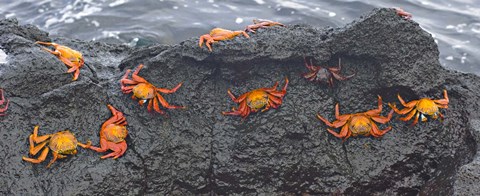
[{"x": 281, "y": 151}]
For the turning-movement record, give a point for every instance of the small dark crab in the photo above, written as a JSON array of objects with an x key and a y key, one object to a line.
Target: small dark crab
[{"x": 324, "y": 74}]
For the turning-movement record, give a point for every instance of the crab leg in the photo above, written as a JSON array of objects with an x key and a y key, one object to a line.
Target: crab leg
[
  {"x": 343, "y": 133},
  {"x": 76, "y": 74},
  {"x": 377, "y": 133},
  {"x": 273, "y": 88},
  {"x": 165, "y": 103},
  {"x": 335, "y": 124},
  {"x": 103, "y": 146},
  {"x": 87, "y": 145},
  {"x": 275, "y": 100},
  {"x": 156, "y": 106},
  {"x": 37, "y": 138},
  {"x": 55, "y": 156},
  {"x": 377, "y": 111},
  {"x": 382, "y": 119},
  {"x": 117, "y": 118},
  {"x": 40, "y": 158},
  {"x": 246, "y": 113},
  {"x": 242, "y": 110},
  {"x": 169, "y": 91},
  {"x": 409, "y": 116},
  {"x": 409, "y": 104},
  {"x": 338, "y": 116},
  {"x": 336, "y": 69},
  {"x": 123, "y": 148},
  {"x": 441, "y": 115},
  {"x": 239, "y": 99},
  {"x": 402, "y": 111},
  {"x": 416, "y": 119},
  {"x": 443, "y": 101},
  {"x": 35, "y": 149},
  {"x": 208, "y": 38},
  {"x": 310, "y": 66},
  {"x": 340, "y": 77},
  {"x": 281, "y": 93},
  {"x": 1, "y": 102},
  {"x": 267, "y": 107}
]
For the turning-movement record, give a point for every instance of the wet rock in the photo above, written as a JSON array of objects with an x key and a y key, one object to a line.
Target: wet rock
[{"x": 281, "y": 151}]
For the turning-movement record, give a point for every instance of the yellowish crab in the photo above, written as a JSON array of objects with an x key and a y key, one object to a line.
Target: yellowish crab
[
  {"x": 219, "y": 34},
  {"x": 72, "y": 58},
  {"x": 61, "y": 144},
  {"x": 421, "y": 108}
]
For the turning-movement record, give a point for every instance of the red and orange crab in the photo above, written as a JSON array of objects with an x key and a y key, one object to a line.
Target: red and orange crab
[
  {"x": 421, "y": 108},
  {"x": 358, "y": 123},
  {"x": 3, "y": 101},
  {"x": 113, "y": 134},
  {"x": 403, "y": 13},
  {"x": 145, "y": 91},
  {"x": 324, "y": 74},
  {"x": 261, "y": 23},
  {"x": 61, "y": 144},
  {"x": 219, "y": 34},
  {"x": 257, "y": 99},
  {"x": 72, "y": 58}
]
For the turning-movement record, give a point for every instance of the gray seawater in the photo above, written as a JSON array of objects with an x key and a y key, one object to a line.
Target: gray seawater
[{"x": 454, "y": 24}]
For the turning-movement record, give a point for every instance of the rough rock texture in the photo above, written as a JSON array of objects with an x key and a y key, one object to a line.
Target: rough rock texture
[{"x": 281, "y": 151}]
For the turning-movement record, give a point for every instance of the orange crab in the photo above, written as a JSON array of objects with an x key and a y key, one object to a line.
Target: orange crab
[
  {"x": 219, "y": 34},
  {"x": 61, "y": 143},
  {"x": 257, "y": 99},
  {"x": 421, "y": 108},
  {"x": 261, "y": 23},
  {"x": 359, "y": 123},
  {"x": 3, "y": 101},
  {"x": 145, "y": 91},
  {"x": 72, "y": 58},
  {"x": 113, "y": 134},
  {"x": 403, "y": 13}
]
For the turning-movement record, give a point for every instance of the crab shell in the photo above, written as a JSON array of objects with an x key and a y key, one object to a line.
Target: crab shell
[
  {"x": 114, "y": 133},
  {"x": 63, "y": 142}
]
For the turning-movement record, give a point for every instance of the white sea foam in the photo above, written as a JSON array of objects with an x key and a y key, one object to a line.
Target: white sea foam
[
  {"x": 3, "y": 57},
  {"x": 75, "y": 11},
  {"x": 117, "y": 3}
]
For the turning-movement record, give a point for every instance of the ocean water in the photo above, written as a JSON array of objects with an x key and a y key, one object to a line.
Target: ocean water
[{"x": 454, "y": 24}]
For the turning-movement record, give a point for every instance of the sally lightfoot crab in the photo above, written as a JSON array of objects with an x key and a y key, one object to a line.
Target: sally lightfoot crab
[
  {"x": 3, "y": 103},
  {"x": 403, "y": 13},
  {"x": 257, "y": 99},
  {"x": 219, "y": 34},
  {"x": 145, "y": 91},
  {"x": 358, "y": 123},
  {"x": 72, "y": 58},
  {"x": 324, "y": 74},
  {"x": 261, "y": 23},
  {"x": 422, "y": 108},
  {"x": 61, "y": 144},
  {"x": 113, "y": 134}
]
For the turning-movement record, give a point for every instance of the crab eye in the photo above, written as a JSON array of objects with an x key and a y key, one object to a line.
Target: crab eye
[{"x": 144, "y": 100}]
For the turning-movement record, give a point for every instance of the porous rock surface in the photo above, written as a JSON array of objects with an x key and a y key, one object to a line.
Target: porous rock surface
[{"x": 281, "y": 151}]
